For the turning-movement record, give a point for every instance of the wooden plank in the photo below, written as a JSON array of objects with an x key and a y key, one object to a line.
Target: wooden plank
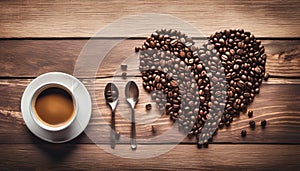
[
  {"x": 32, "y": 18},
  {"x": 277, "y": 103},
  {"x": 30, "y": 58},
  {"x": 85, "y": 157}
]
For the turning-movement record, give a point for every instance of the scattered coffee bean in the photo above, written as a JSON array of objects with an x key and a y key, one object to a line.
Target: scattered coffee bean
[
  {"x": 263, "y": 123},
  {"x": 124, "y": 75},
  {"x": 148, "y": 106},
  {"x": 244, "y": 133},
  {"x": 250, "y": 113},
  {"x": 123, "y": 67},
  {"x": 252, "y": 124}
]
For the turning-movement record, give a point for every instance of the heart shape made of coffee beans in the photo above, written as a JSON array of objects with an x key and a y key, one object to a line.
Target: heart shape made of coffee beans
[{"x": 172, "y": 65}]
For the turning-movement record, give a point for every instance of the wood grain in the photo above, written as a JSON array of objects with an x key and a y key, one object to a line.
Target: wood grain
[
  {"x": 32, "y": 18},
  {"x": 277, "y": 103},
  {"x": 30, "y": 58},
  {"x": 44, "y": 36},
  {"x": 183, "y": 157}
]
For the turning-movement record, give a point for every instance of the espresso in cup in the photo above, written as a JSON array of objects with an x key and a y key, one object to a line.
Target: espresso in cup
[{"x": 54, "y": 106}]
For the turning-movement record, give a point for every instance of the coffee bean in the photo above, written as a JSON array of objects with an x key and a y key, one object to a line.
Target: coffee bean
[
  {"x": 244, "y": 77},
  {"x": 221, "y": 125},
  {"x": 222, "y": 41},
  {"x": 252, "y": 124},
  {"x": 244, "y": 133},
  {"x": 241, "y": 84},
  {"x": 148, "y": 106},
  {"x": 124, "y": 74},
  {"x": 199, "y": 145},
  {"x": 174, "y": 83},
  {"x": 257, "y": 90},
  {"x": 236, "y": 67},
  {"x": 246, "y": 94},
  {"x": 205, "y": 144},
  {"x": 263, "y": 123},
  {"x": 257, "y": 70},
  {"x": 266, "y": 76},
  {"x": 250, "y": 113},
  {"x": 182, "y": 54},
  {"x": 224, "y": 57},
  {"x": 137, "y": 49},
  {"x": 123, "y": 67}
]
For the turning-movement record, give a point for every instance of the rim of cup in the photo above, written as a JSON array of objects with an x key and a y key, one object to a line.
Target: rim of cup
[{"x": 34, "y": 114}]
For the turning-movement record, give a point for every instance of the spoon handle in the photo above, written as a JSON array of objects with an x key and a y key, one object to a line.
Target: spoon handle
[
  {"x": 133, "y": 131},
  {"x": 112, "y": 131}
]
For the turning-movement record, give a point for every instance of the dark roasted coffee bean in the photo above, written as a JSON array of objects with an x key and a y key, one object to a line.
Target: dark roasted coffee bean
[
  {"x": 148, "y": 106},
  {"x": 221, "y": 124},
  {"x": 123, "y": 67},
  {"x": 137, "y": 49},
  {"x": 266, "y": 76},
  {"x": 244, "y": 133},
  {"x": 246, "y": 94},
  {"x": 257, "y": 70},
  {"x": 224, "y": 57},
  {"x": 250, "y": 113},
  {"x": 227, "y": 123},
  {"x": 182, "y": 54},
  {"x": 252, "y": 124},
  {"x": 205, "y": 144},
  {"x": 199, "y": 145},
  {"x": 263, "y": 123},
  {"x": 257, "y": 90},
  {"x": 241, "y": 84},
  {"x": 244, "y": 77},
  {"x": 124, "y": 74},
  {"x": 236, "y": 67},
  {"x": 174, "y": 83}
]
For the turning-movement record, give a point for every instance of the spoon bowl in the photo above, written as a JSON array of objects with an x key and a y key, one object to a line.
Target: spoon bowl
[
  {"x": 132, "y": 93},
  {"x": 111, "y": 94}
]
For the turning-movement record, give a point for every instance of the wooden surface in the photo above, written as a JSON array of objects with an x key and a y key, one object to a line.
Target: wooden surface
[
  {"x": 216, "y": 157},
  {"x": 44, "y": 36},
  {"x": 61, "y": 55},
  {"x": 83, "y": 19}
]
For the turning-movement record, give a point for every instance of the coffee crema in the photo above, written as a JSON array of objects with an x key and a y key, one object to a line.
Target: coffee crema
[{"x": 54, "y": 107}]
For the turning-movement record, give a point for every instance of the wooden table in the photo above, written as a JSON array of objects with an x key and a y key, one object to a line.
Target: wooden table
[{"x": 43, "y": 36}]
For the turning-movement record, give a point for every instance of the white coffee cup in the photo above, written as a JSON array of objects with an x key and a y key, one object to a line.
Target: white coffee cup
[{"x": 53, "y": 111}]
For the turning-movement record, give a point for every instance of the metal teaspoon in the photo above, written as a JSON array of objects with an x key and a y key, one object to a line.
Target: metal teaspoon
[
  {"x": 132, "y": 95},
  {"x": 111, "y": 94}
]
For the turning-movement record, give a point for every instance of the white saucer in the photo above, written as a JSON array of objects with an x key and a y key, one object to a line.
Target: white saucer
[{"x": 84, "y": 107}]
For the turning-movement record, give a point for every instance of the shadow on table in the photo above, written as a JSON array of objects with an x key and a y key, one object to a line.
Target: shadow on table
[{"x": 59, "y": 152}]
